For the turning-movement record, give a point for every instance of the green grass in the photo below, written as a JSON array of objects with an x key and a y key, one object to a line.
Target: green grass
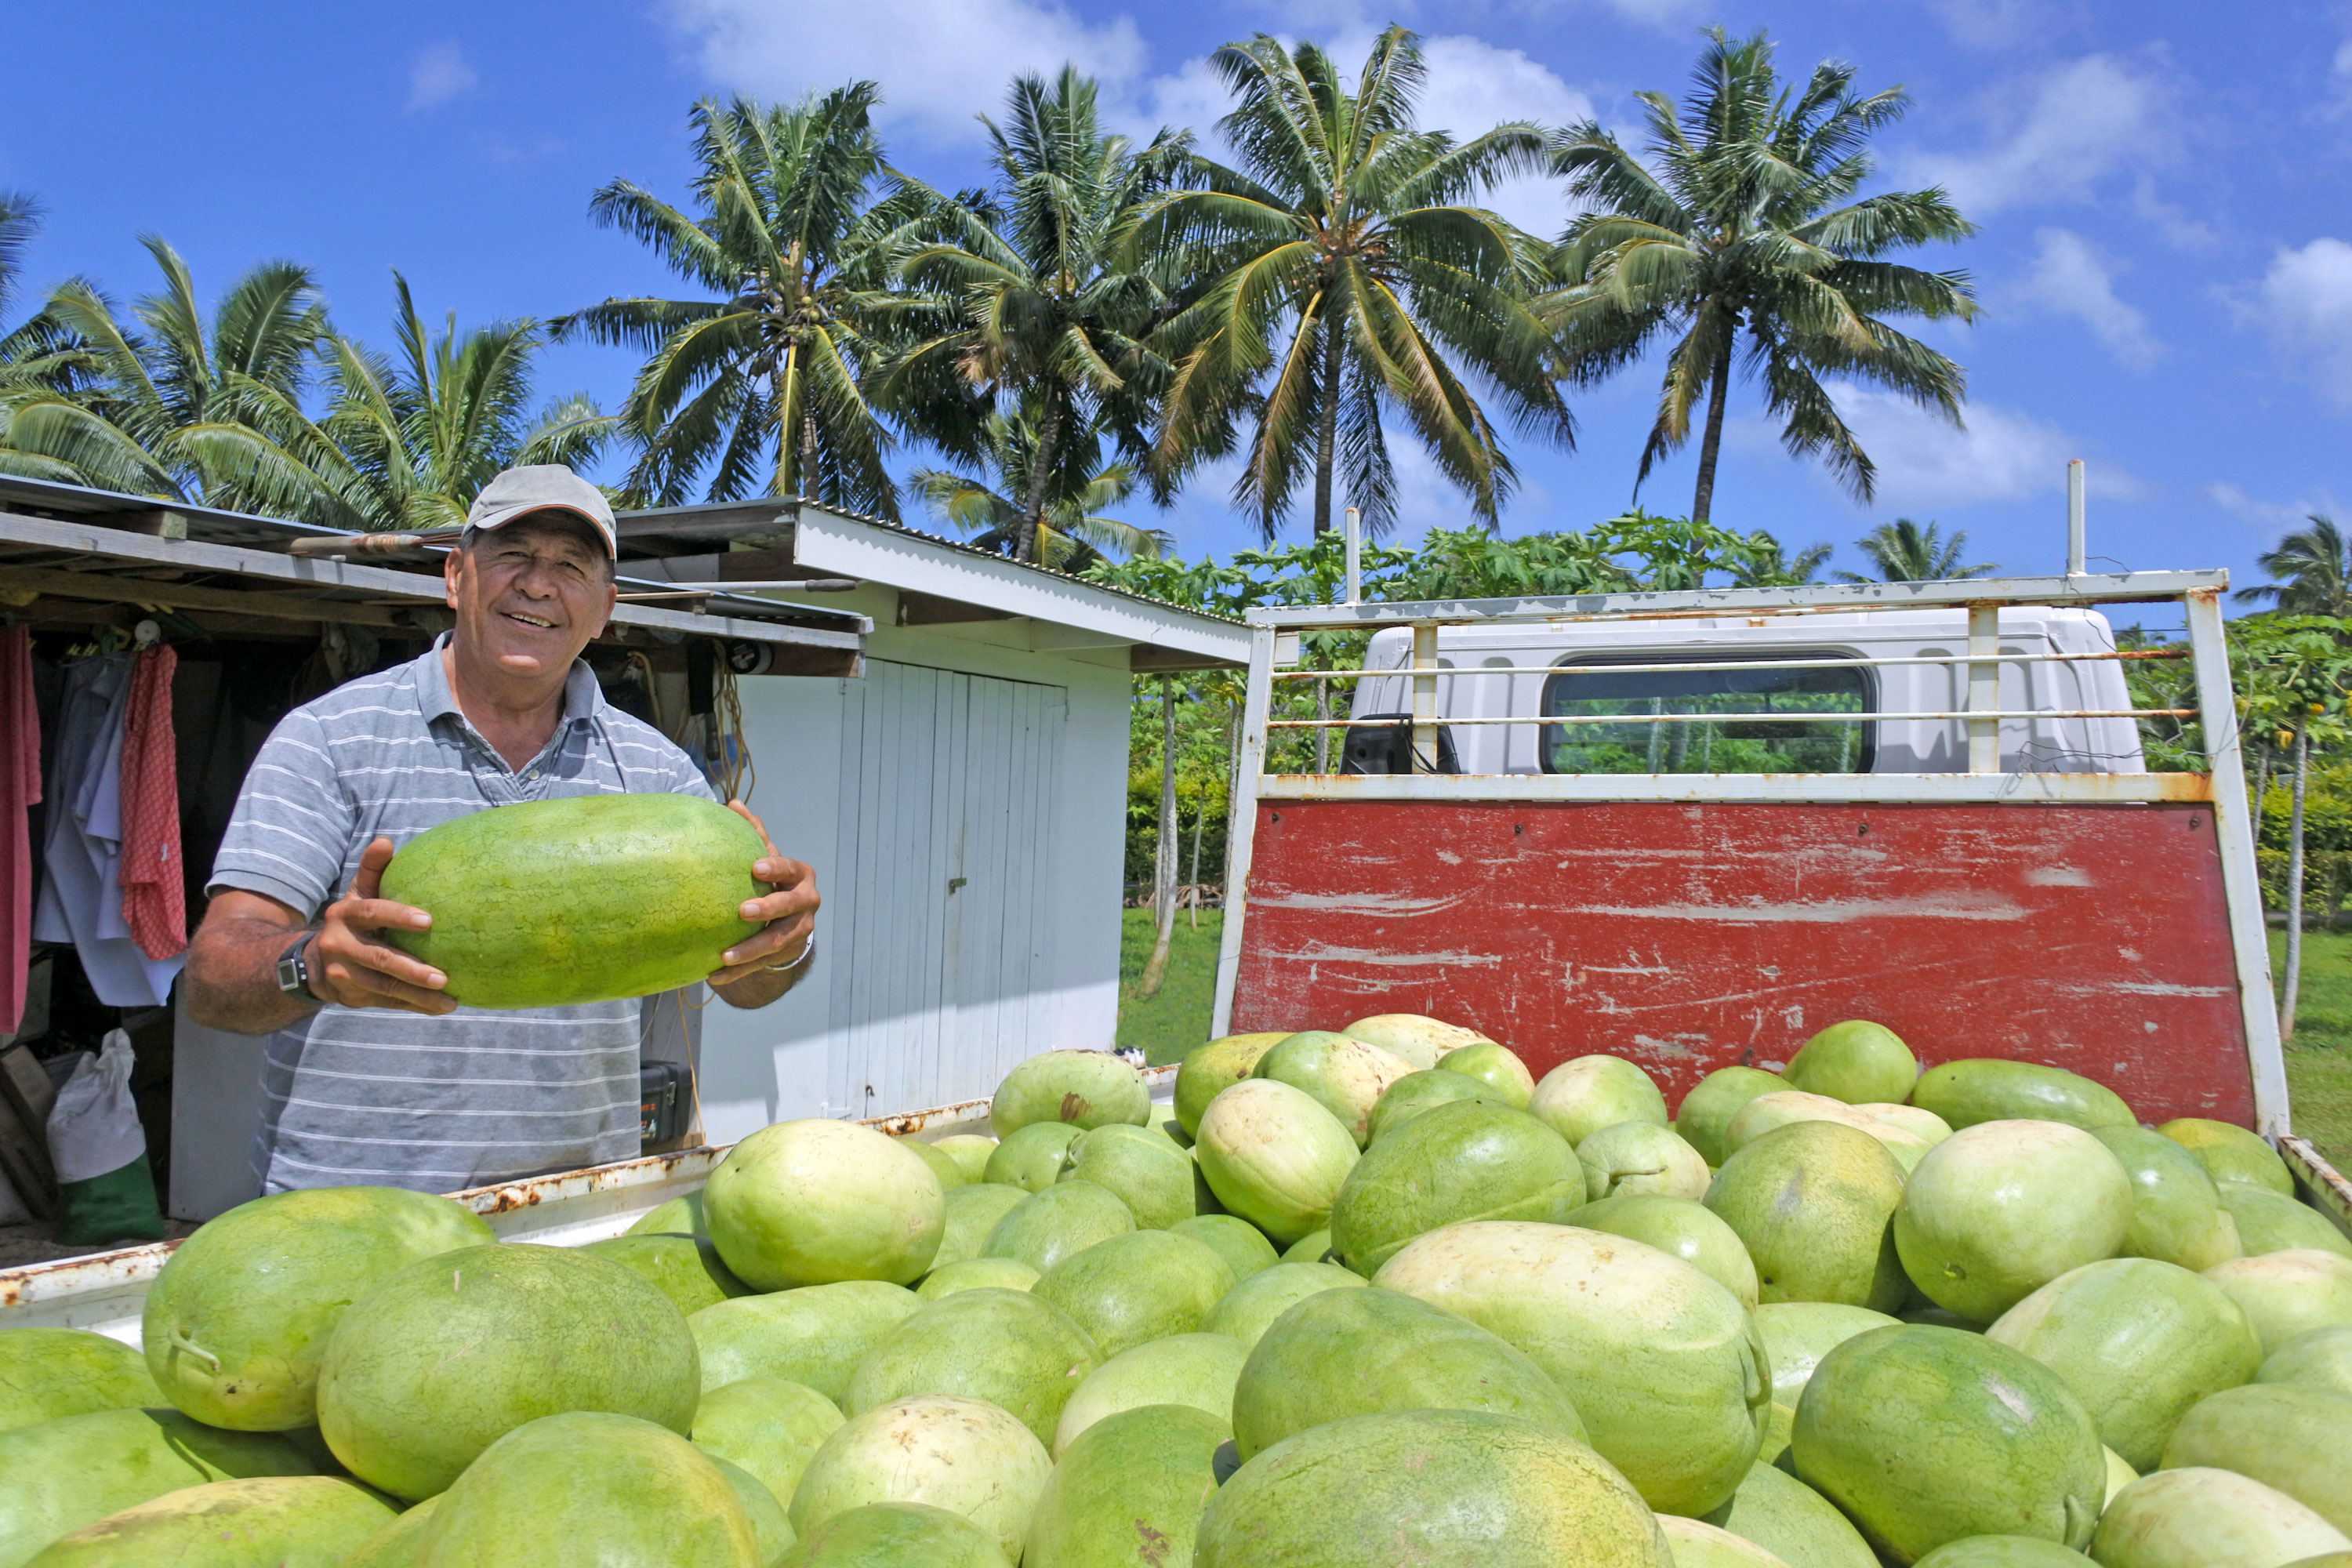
[
  {"x": 2319, "y": 1062},
  {"x": 2318, "y": 1066},
  {"x": 1176, "y": 1020}
]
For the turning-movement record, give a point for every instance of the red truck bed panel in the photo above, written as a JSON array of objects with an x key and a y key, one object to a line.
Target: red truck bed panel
[{"x": 1689, "y": 938}]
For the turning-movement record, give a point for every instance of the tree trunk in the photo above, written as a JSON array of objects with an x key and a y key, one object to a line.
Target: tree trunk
[
  {"x": 787, "y": 482},
  {"x": 1041, "y": 470},
  {"x": 1163, "y": 857},
  {"x": 1327, "y": 422},
  {"x": 1200, "y": 830},
  {"x": 2295, "y": 885},
  {"x": 1718, "y": 392},
  {"x": 2262, "y": 792}
]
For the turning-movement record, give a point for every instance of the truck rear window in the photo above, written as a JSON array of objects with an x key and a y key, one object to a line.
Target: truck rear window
[{"x": 1780, "y": 740}]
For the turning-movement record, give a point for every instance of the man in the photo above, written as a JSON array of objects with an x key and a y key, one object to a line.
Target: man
[{"x": 372, "y": 1075}]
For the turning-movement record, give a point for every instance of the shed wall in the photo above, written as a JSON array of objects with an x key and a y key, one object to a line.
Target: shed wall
[{"x": 950, "y": 759}]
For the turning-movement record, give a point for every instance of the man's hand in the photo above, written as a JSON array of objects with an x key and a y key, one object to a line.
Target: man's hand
[
  {"x": 349, "y": 964},
  {"x": 749, "y": 977},
  {"x": 232, "y": 972}
]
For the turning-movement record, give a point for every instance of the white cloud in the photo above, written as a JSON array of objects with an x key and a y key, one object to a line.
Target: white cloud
[
  {"x": 1925, "y": 465},
  {"x": 2080, "y": 123},
  {"x": 939, "y": 61},
  {"x": 1992, "y": 24},
  {"x": 2073, "y": 277},
  {"x": 2305, "y": 302},
  {"x": 2273, "y": 517},
  {"x": 1470, "y": 86},
  {"x": 439, "y": 73}
]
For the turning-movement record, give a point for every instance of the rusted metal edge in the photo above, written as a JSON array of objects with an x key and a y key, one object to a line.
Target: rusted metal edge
[
  {"x": 562, "y": 1207},
  {"x": 2330, "y": 1193},
  {"x": 1886, "y": 789}
]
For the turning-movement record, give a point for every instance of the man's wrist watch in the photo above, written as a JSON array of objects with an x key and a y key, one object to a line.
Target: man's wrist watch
[
  {"x": 808, "y": 951},
  {"x": 294, "y": 973}
]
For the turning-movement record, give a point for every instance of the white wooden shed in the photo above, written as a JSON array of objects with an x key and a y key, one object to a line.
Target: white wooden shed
[{"x": 963, "y": 802}]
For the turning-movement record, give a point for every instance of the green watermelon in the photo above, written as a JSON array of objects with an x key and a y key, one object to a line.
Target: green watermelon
[
  {"x": 1664, "y": 1365},
  {"x": 1813, "y": 1203},
  {"x": 2209, "y": 1519},
  {"x": 286, "y": 1522},
  {"x": 75, "y": 1470},
  {"x": 1498, "y": 1067},
  {"x": 2284, "y": 1294},
  {"x": 1066, "y": 1218},
  {"x": 971, "y": 1213},
  {"x": 235, "y": 1324},
  {"x": 2322, "y": 1359},
  {"x": 1033, "y": 1156},
  {"x": 815, "y": 1202},
  {"x": 1428, "y": 1487},
  {"x": 1689, "y": 1231},
  {"x": 966, "y": 1456},
  {"x": 1128, "y": 1491},
  {"x": 1707, "y": 1109},
  {"x": 1142, "y": 1167},
  {"x": 1636, "y": 1157},
  {"x": 2138, "y": 1342},
  {"x": 2269, "y": 1223},
  {"x": 543, "y": 1492},
  {"x": 1242, "y": 1244},
  {"x": 1460, "y": 1162},
  {"x": 2002, "y": 1551},
  {"x": 1924, "y": 1435},
  {"x": 1194, "y": 1370},
  {"x": 2000, "y": 1208},
  {"x": 1274, "y": 1156},
  {"x": 1797, "y": 1334},
  {"x": 1695, "y": 1544},
  {"x": 1420, "y": 1041},
  {"x": 767, "y": 1426},
  {"x": 815, "y": 1335},
  {"x": 1011, "y": 1348},
  {"x": 1355, "y": 1353},
  {"x": 1344, "y": 1077},
  {"x": 48, "y": 1372},
  {"x": 2231, "y": 1153},
  {"x": 678, "y": 1217},
  {"x": 2176, "y": 1213},
  {"x": 1426, "y": 1091},
  {"x": 1247, "y": 1310},
  {"x": 1211, "y": 1069},
  {"x": 1855, "y": 1061},
  {"x": 452, "y": 1353},
  {"x": 1085, "y": 1088},
  {"x": 686, "y": 1268},
  {"x": 894, "y": 1535},
  {"x": 977, "y": 1273},
  {"x": 1788, "y": 1518},
  {"x": 554, "y": 903},
  {"x": 2294, "y": 1438},
  {"x": 1991, "y": 1088},
  {"x": 1585, "y": 1094},
  {"x": 1132, "y": 1290}
]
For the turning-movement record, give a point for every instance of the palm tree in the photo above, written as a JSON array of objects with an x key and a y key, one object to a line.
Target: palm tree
[
  {"x": 410, "y": 439},
  {"x": 760, "y": 387},
  {"x": 1073, "y": 535},
  {"x": 182, "y": 407},
  {"x": 1737, "y": 237},
  {"x": 35, "y": 355},
  {"x": 1770, "y": 565},
  {"x": 1028, "y": 296},
  {"x": 1340, "y": 263},
  {"x": 2314, "y": 564},
  {"x": 1905, "y": 552}
]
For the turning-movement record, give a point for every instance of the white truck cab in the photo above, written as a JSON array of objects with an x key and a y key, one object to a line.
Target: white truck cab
[{"x": 1845, "y": 662}]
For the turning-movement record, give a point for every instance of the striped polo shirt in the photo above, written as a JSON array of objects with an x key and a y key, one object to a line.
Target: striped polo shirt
[{"x": 380, "y": 1097}]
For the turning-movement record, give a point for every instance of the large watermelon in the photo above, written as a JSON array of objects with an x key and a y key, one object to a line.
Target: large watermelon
[{"x": 590, "y": 899}]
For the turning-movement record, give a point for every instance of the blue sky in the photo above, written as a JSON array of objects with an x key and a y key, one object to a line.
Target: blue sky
[{"x": 2166, "y": 261}]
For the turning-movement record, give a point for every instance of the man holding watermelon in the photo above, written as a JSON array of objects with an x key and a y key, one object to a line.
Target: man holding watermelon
[{"x": 373, "y": 1075}]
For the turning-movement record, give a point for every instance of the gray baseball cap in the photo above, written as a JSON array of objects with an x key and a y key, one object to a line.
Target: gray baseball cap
[{"x": 544, "y": 487}]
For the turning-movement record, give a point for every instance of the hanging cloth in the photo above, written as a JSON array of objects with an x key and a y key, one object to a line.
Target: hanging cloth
[
  {"x": 20, "y": 788},
  {"x": 82, "y": 897},
  {"x": 154, "y": 887}
]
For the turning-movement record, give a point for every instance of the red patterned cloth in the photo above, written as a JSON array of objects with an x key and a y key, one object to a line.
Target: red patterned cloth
[
  {"x": 20, "y": 786},
  {"x": 155, "y": 889}
]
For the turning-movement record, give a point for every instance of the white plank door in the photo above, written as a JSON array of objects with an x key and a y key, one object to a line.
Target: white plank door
[{"x": 948, "y": 790}]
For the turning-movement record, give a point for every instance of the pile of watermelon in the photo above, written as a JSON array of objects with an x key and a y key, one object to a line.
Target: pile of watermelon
[{"x": 1371, "y": 1298}]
